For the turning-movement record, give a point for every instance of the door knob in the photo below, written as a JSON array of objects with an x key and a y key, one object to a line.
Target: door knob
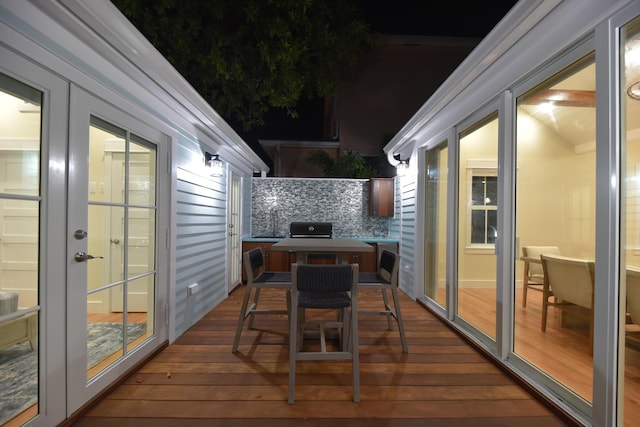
[{"x": 83, "y": 256}]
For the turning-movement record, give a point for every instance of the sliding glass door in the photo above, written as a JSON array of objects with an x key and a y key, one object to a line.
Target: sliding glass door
[
  {"x": 555, "y": 195},
  {"x": 629, "y": 338},
  {"x": 477, "y": 225},
  {"x": 435, "y": 253}
]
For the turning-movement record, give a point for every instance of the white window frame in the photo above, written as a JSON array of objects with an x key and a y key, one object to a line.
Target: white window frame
[{"x": 478, "y": 168}]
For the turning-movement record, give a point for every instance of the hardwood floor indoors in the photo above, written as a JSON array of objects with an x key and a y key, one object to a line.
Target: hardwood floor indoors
[{"x": 198, "y": 381}]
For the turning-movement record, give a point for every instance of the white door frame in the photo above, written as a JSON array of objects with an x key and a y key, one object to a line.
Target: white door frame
[{"x": 82, "y": 106}]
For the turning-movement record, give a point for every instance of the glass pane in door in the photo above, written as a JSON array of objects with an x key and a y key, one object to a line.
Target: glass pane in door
[
  {"x": 477, "y": 225},
  {"x": 121, "y": 239},
  {"x": 555, "y": 217},
  {"x": 20, "y": 129},
  {"x": 630, "y": 233},
  {"x": 435, "y": 253}
]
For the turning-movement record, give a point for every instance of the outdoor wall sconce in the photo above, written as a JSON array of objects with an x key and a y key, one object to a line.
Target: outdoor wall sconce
[
  {"x": 213, "y": 164},
  {"x": 403, "y": 164}
]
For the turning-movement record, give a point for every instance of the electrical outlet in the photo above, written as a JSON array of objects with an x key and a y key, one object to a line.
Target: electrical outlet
[{"x": 192, "y": 289}]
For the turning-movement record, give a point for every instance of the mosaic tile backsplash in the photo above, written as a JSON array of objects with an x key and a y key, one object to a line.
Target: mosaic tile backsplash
[{"x": 277, "y": 202}]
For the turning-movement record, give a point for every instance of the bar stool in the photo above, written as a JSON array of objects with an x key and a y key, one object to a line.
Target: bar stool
[
  {"x": 258, "y": 278},
  {"x": 386, "y": 278},
  {"x": 331, "y": 286}
]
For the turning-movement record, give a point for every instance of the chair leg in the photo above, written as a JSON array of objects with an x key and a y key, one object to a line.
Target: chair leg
[
  {"x": 591, "y": 333},
  {"x": 345, "y": 332},
  {"x": 293, "y": 351},
  {"x": 403, "y": 337},
  {"x": 545, "y": 308},
  {"x": 241, "y": 319},
  {"x": 524, "y": 294},
  {"x": 385, "y": 299},
  {"x": 255, "y": 306},
  {"x": 300, "y": 327},
  {"x": 355, "y": 351}
]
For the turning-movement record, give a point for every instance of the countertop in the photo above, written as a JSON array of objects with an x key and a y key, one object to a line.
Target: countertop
[{"x": 362, "y": 239}]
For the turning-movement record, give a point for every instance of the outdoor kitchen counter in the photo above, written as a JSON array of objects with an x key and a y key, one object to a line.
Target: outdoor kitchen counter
[{"x": 362, "y": 239}]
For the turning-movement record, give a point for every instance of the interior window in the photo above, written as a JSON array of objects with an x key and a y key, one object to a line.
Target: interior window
[{"x": 484, "y": 209}]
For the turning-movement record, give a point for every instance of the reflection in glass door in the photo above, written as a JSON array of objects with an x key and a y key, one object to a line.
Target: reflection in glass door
[
  {"x": 478, "y": 225},
  {"x": 435, "y": 253},
  {"x": 630, "y": 233},
  {"x": 121, "y": 241},
  {"x": 20, "y": 130},
  {"x": 556, "y": 217}
]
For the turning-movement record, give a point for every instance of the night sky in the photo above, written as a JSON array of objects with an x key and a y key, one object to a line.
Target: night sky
[{"x": 436, "y": 18}]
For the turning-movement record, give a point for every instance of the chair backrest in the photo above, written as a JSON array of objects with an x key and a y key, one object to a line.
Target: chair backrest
[
  {"x": 8, "y": 302},
  {"x": 388, "y": 266},
  {"x": 633, "y": 293},
  {"x": 535, "y": 269},
  {"x": 323, "y": 278},
  {"x": 253, "y": 261},
  {"x": 570, "y": 279}
]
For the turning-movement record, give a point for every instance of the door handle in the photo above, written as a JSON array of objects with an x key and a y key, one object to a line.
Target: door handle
[{"x": 83, "y": 256}]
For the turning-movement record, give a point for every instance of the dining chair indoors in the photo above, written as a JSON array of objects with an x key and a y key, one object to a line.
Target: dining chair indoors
[
  {"x": 386, "y": 279},
  {"x": 571, "y": 282},
  {"x": 323, "y": 287},
  {"x": 533, "y": 275},
  {"x": 258, "y": 278},
  {"x": 633, "y": 294}
]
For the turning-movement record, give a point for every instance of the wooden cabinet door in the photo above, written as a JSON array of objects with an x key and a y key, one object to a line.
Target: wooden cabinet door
[
  {"x": 368, "y": 261},
  {"x": 276, "y": 260},
  {"x": 381, "y": 196}
]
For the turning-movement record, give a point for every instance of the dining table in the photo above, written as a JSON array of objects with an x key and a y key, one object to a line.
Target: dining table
[{"x": 306, "y": 246}]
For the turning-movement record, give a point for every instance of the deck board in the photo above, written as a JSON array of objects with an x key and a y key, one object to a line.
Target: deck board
[{"x": 198, "y": 381}]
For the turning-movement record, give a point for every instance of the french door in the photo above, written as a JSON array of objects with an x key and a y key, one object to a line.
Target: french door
[
  {"x": 32, "y": 194},
  {"x": 234, "y": 233},
  {"x": 114, "y": 244}
]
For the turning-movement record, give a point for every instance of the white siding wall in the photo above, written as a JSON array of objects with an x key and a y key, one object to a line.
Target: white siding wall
[
  {"x": 406, "y": 193},
  {"x": 200, "y": 246}
]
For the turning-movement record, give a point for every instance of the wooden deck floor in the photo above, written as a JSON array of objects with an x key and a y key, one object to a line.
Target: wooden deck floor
[{"x": 198, "y": 381}]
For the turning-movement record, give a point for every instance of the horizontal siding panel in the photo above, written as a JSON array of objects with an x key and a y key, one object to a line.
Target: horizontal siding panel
[
  {"x": 206, "y": 206},
  {"x": 209, "y": 229},
  {"x": 186, "y": 202},
  {"x": 198, "y": 239},
  {"x": 201, "y": 253}
]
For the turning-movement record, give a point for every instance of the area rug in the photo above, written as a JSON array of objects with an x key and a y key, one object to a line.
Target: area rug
[{"x": 18, "y": 364}]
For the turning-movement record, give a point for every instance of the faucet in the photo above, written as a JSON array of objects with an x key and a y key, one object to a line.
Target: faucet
[{"x": 273, "y": 217}]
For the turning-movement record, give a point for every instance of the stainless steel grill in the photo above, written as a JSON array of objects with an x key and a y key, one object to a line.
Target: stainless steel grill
[{"x": 311, "y": 229}]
